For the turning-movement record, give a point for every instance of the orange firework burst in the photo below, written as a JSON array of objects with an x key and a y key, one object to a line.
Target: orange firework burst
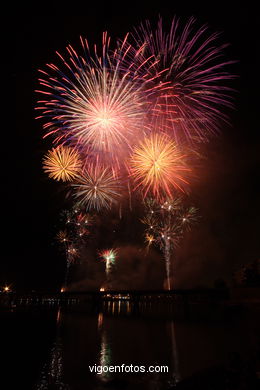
[
  {"x": 96, "y": 188},
  {"x": 62, "y": 163},
  {"x": 149, "y": 238},
  {"x": 158, "y": 165},
  {"x": 62, "y": 236}
]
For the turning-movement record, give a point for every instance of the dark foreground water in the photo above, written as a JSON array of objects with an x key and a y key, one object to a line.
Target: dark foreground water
[{"x": 203, "y": 347}]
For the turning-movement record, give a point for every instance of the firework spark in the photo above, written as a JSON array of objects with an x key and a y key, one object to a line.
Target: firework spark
[
  {"x": 72, "y": 253},
  {"x": 149, "y": 238},
  {"x": 109, "y": 257},
  {"x": 158, "y": 166},
  {"x": 96, "y": 188},
  {"x": 62, "y": 163},
  {"x": 63, "y": 236},
  {"x": 74, "y": 236}
]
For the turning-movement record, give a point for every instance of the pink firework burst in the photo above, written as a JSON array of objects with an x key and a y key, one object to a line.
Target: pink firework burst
[
  {"x": 89, "y": 101},
  {"x": 184, "y": 76}
]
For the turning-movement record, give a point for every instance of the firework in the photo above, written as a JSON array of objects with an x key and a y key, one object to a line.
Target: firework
[
  {"x": 109, "y": 257},
  {"x": 185, "y": 78},
  {"x": 72, "y": 253},
  {"x": 157, "y": 165},
  {"x": 188, "y": 217},
  {"x": 149, "y": 238},
  {"x": 62, "y": 236},
  {"x": 74, "y": 236},
  {"x": 62, "y": 163},
  {"x": 91, "y": 102},
  {"x": 96, "y": 188},
  {"x": 166, "y": 224}
]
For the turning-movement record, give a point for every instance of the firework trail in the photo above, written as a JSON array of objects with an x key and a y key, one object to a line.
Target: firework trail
[
  {"x": 109, "y": 257},
  {"x": 166, "y": 224},
  {"x": 74, "y": 237},
  {"x": 62, "y": 163},
  {"x": 52, "y": 374}
]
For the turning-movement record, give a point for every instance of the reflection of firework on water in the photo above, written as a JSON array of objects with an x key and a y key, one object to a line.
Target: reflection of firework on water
[
  {"x": 191, "y": 91},
  {"x": 90, "y": 101},
  {"x": 96, "y": 188},
  {"x": 158, "y": 165},
  {"x": 166, "y": 224},
  {"x": 52, "y": 375},
  {"x": 62, "y": 163}
]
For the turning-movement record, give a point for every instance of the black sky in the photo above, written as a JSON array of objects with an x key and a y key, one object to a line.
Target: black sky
[{"x": 227, "y": 193}]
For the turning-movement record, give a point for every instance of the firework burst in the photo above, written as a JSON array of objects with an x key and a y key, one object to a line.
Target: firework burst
[
  {"x": 91, "y": 102},
  {"x": 166, "y": 224},
  {"x": 184, "y": 70},
  {"x": 109, "y": 257},
  {"x": 157, "y": 165},
  {"x": 96, "y": 188},
  {"x": 63, "y": 236},
  {"x": 149, "y": 238},
  {"x": 62, "y": 163}
]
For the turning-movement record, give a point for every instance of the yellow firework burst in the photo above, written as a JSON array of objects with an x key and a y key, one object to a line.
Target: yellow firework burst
[
  {"x": 62, "y": 163},
  {"x": 158, "y": 165}
]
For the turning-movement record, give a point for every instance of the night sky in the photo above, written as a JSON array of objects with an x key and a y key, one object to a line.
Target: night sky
[{"x": 226, "y": 190}]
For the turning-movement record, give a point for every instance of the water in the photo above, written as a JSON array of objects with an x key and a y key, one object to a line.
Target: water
[{"x": 52, "y": 348}]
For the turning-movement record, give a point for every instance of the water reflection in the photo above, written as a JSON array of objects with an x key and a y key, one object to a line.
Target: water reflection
[
  {"x": 105, "y": 354},
  {"x": 121, "y": 332},
  {"x": 52, "y": 373}
]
